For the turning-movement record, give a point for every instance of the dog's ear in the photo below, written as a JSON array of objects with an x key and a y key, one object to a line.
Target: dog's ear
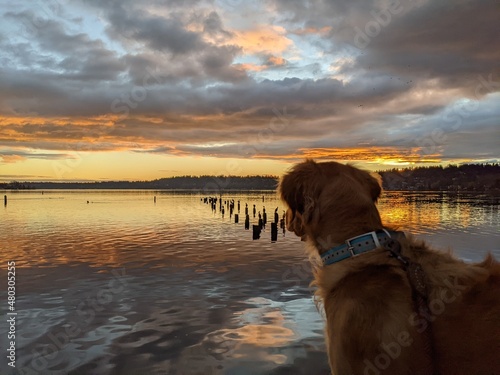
[
  {"x": 300, "y": 189},
  {"x": 371, "y": 181},
  {"x": 375, "y": 185}
]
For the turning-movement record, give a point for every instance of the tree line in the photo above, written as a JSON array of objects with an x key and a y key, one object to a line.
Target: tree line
[
  {"x": 466, "y": 177},
  {"x": 209, "y": 184}
]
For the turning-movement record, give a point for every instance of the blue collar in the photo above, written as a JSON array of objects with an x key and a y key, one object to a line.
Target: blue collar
[{"x": 359, "y": 245}]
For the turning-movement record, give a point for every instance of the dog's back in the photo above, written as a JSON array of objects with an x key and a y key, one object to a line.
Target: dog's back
[
  {"x": 467, "y": 332},
  {"x": 372, "y": 326}
]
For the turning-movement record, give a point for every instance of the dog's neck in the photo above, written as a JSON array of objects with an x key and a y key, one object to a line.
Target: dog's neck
[{"x": 332, "y": 234}]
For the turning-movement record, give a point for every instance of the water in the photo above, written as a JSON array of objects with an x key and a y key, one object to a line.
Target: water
[{"x": 121, "y": 285}]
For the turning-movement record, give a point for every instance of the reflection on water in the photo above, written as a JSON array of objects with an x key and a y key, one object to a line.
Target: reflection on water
[
  {"x": 466, "y": 223},
  {"x": 124, "y": 285}
]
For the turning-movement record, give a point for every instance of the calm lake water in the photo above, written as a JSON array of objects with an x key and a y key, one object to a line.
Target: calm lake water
[{"x": 123, "y": 285}]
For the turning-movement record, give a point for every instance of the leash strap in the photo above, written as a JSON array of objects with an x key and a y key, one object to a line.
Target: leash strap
[{"x": 417, "y": 278}]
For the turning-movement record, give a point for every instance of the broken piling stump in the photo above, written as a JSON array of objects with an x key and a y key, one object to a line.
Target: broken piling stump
[
  {"x": 256, "y": 232},
  {"x": 274, "y": 232}
]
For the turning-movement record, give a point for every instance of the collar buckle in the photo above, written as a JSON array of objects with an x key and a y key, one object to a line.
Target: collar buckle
[{"x": 350, "y": 248}]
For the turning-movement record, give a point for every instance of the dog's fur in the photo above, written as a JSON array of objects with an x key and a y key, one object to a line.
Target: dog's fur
[{"x": 371, "y": 325}]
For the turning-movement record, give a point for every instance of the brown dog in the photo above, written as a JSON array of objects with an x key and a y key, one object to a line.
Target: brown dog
[{"x": 376, "y": 322}]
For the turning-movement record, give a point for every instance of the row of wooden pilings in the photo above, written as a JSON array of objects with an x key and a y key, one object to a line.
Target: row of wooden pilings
[{"x": 231, "y": 206}]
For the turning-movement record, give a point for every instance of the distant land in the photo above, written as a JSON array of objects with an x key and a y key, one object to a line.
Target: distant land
[{"x": 466, "y": 177}]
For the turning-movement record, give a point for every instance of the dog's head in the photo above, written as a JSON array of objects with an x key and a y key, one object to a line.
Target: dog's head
[{"x": 330, "y": 194}]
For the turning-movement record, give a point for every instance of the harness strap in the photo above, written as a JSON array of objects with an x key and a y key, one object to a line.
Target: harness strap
[{"x": 417, "y": 278}]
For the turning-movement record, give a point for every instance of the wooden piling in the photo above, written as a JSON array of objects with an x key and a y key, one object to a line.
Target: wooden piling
[
  {"x": 154, "y": 199},
  {"x": 236, "y": 218},
  {"x": 5, "y": 200},
  {"x": 247, "y": 222},
  {"x": 274, "y": 232},
  {"x": 256, "y": 232}
]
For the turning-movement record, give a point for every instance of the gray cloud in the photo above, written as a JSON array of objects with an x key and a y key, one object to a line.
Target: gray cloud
[
  {"x": 80, "y": 57},
  {"x": 159, "y": 33},
  {"x": 451, "y": 41},
  {"x": 440, "y": 41}
]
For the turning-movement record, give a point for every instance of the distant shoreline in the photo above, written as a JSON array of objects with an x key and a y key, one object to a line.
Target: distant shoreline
[
  {"x": 484, "y": 193},
  {"x": 467, "y": 177}
]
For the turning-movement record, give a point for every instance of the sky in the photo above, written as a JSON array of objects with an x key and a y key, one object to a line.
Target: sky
[{"x": 139, "y": 90}]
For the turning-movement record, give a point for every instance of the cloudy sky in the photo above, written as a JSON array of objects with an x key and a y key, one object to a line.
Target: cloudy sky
[{"x": 122, "y": 89}]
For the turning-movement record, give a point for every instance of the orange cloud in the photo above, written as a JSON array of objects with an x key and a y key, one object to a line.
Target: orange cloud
[
  {"x": 264, "y": 39},
  {"x": 66, "y": 132},
  {"x": 251, "y": 67},
  {"x": 276, "y": 60},
  {"x": 112, "y": 133},
  {"x": 11, "y": 158},
  {"x": 381, "y": 155},
  {"x": 270, "y": 62},
  {"x": 106, "y": 120},
  {"x": 312, "y": 30}
]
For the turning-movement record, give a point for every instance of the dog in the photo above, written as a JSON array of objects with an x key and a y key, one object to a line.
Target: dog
[{"x": 382, "y": 316}]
